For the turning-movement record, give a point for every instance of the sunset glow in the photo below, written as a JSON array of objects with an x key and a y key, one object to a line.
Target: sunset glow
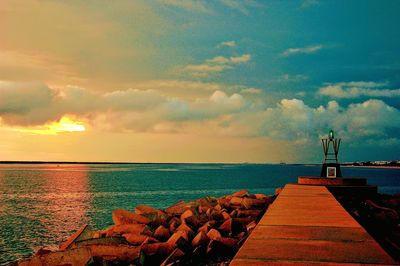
[{"x": 65, "y": 125}]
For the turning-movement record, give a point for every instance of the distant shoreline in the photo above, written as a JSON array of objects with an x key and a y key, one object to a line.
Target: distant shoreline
[
  {"x": 277, "y": 164},
  {"x": 372, "y": 166},
  {"x": 66, "y": 162}
]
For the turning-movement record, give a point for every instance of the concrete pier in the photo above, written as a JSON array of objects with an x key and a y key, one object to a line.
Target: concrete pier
[{"x": 306, "y": 225}]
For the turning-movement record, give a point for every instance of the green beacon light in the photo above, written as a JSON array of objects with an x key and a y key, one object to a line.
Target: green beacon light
[{"x": 331, "y": 134}]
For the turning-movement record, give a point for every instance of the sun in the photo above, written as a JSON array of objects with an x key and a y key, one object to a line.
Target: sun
[
  {"x": 64, "y": 125},
  {"x": 67, "y": 125}
]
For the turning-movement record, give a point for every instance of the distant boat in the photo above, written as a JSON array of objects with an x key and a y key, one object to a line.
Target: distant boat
[{"x": 282, "y": 162}]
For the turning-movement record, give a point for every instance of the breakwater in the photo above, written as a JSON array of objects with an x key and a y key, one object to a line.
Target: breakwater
[
  {"x": 306, "y": 225},
  {"x": 206, "y": 231}
]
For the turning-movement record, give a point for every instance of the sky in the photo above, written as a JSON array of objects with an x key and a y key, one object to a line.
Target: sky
[{"x": 198, "y": 81}]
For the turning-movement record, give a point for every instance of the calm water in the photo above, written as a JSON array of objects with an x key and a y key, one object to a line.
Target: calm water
[{"x": 42, "y": 204}]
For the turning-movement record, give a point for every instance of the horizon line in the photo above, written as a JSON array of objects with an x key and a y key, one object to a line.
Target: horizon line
[{"x": 106, "y": 162}]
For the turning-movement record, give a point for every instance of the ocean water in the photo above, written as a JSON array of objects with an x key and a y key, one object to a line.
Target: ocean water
[{"x": 42, "y": 204}]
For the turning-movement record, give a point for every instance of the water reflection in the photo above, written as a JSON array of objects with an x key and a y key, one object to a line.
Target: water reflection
[{"x": 40, "y": 205}]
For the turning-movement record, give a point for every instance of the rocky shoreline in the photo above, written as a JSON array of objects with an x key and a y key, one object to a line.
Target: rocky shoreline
[
  {"x": 207, "y": 231},
  {"x": 379, "y": 214}
]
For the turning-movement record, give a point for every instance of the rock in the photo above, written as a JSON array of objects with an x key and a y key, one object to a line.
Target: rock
[
  {"x": 251, "y": 226},
  {"x": 186, "y": 228},
  {"x": 390, "y": 213},
  {"x": 74, "y": 256},
  {"x": 114, "y": 240},
  {"x": 97, "y": 234},
  {"x": 176, "y": 254},
  {"x": 250, "y": 203},
  {"x": 144, "y": 209},
  {"x": 224, "y": 201},
  {"x": 213, "y": 234},
  {"x": 43, "y": 251},
  {"x": 202, "y": 209},
  {"x": 173, "y": 225},
  {"x": 121, "y": 216},
  {"x": 265, "y": 198},
  {"x": 227, "y": 241},
  {"x": 239, "y": 224},
  {"x": 200, "y": 239},
  {"x": 186, "y": 214},
  {"x": 137, "y": 240},
  {"x": 147, "y": 231},
  {"x": 162, "y": 233},
  {"x": 218, "y": 208},
  {"x": 219, "y": 250},
  {"x": 85, "y": 232},
  {"x": 202, "y": 219},
  {"x": 178, "y": 239},
  {"x": 207, "y": 202},
  {"x": 225, "y": 215},
  {"x": 157, "y": 248},
  {"x": 205, "y": 228},
  {"x": 226, "y": 226},
  {"x": 115, "y": 252},
  {"x": 249, "y": 213},
  {"x": 241, "y": 235},
  {"x": 125, "y": 229},
  {"x": 178, "y": 208},
  {"x": 235, "y": 201},
  {"x": 192, "y": 221},
  {"x": 157, "y": 218},
  {"x": 241, "y": 193},
  {"x": 215, "y": 215}
]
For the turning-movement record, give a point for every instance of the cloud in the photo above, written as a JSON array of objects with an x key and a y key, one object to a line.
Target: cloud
[
  {"x": 19, "y": 97},
  {"x": 348, "y": 90},
  {"x": 79, "y": 33},
  {"x": 191, "y": 5},
  {"x": 251, "y": 91},
  {"x": 227, "y": 44},
  {"x": 292, "y": 119},
  {"x": 243, "y": 6},
  {"x": 236, "y": 5},
  {"x": 293, "y": 78},
  {"x": 240, "y": 59},
  {"x": 302, "y": 50},
  {"x": 244, "y": 113},
  {"x": 309, "y": 3},
  {"x": 217, "y": 64},
  {"x": 37, "y": 104}
]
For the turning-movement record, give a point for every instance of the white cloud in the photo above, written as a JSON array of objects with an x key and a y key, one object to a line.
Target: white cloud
[
  {"x": 217, "y": 64},
  {"x": 227, "y": 44},
  {"x": 242, "y": 113},
  {"x": 206, "y": 68},
  {"x": 302, "y": 50},
  {"x": 251, "y": 91},
  {"x": 241, "y": 59},
  {"x": 357, "y": 89}
]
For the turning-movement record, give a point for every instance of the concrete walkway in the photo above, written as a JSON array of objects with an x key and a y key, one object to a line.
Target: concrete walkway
[{"x": 307, "y": 226}]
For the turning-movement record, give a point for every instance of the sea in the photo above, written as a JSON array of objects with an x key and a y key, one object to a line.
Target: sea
[{"x": 42, "y": 204}]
